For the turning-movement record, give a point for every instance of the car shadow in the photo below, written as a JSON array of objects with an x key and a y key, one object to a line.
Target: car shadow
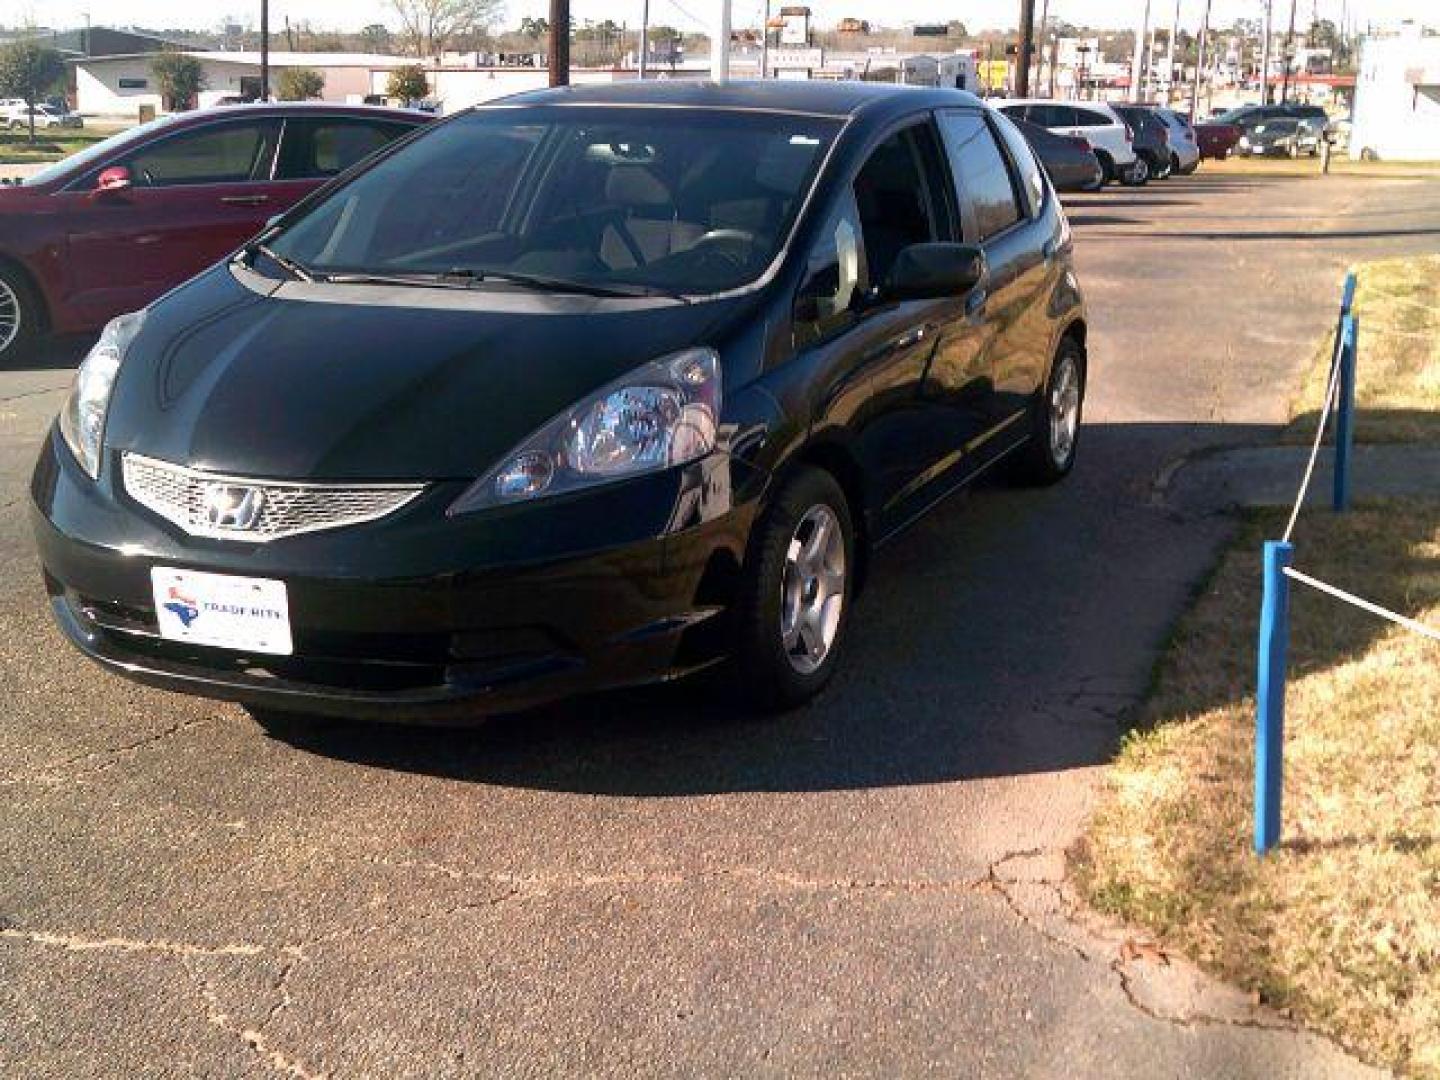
[{"x": 1010, "y": 632}]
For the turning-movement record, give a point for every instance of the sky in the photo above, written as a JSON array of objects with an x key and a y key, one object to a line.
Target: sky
[{"x": 976, "y": 14}]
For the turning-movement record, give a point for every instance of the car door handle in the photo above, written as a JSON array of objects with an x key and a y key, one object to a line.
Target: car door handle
[
  {"x": 914, "y": 336},
  {"x": 244, "y": 200}
]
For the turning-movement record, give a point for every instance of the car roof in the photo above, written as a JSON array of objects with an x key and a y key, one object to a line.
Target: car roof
[{"x": 816, "y": 98}]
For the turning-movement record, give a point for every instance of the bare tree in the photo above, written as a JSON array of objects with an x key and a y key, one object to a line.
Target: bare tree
[{"x": 428, "y": 25}]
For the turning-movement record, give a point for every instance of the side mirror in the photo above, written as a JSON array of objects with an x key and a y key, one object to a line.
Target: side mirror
[
  {"x": 113, "y": 180},
  {"x": 935, "y": 271}
]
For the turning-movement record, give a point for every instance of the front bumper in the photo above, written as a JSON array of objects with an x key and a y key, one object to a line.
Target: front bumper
[{"x": 418, "y": 616}]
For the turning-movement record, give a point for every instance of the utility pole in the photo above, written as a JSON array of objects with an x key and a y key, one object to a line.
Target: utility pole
[
  {"x": 558, "y": 53},
  {"x": 1170, "y": 56},
  {"x": 1199, "y": 63},
  {"x": 1040, "y": 56},
  {"x": 644, "y": 36},
  {"x": 1026, "y": 52},
  {"x": 1288, "y": 57},
  {"x": 1137, "y": 62},
  {"x": 1265, "y": 57},
  {"x": 720, "y": 43},
  {"x": 264, "y": 50},
  {"x": 765, "y": 43}
]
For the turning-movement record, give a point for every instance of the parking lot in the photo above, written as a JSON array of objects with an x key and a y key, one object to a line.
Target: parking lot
[{"x": 647, "y": 882}]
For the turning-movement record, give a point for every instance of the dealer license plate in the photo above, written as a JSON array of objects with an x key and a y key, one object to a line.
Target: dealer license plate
[{"x": 241, "y": 613}]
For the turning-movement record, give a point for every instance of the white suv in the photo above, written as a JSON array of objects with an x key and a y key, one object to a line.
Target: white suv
[{"x": 1108, "y": 135}]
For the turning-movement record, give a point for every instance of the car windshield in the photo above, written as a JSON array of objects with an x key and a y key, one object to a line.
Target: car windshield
[
  {"x": 78, "y": 162},
  {"x": 1235, "y": 116},
  {"x": 1272, "y": 127},
  {"x": 680, "y": 201}
]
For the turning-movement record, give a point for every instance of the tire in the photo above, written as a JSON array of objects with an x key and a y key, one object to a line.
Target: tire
[
  {"x": 19, "y": 314},
  {"x": 1137, "y": 174},
  {"x": 1175, "y": 168},
  {"x": 1107, "y": 168},
  {"x": 796, "y": 596},
  {"x": 1046, "y": 457},
  {"x": 1159, "y": 172}
]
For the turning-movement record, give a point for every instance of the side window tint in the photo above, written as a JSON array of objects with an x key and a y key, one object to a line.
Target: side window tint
[
  {"x": 1050, "y": 116},
  {"x": 227, "y": 153},
  {"x": 1017, "y": 112},
  {"x": 835, "y": 277},
  {"x": 980, "y": 171},
  {"x": 318, "y": 148},
  {"x": 1091, "y": 118},
  {"x": 1032, "y": 180}
]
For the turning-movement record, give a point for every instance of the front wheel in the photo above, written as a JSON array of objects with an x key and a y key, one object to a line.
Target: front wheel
[
  {"x": 1137, "y": 174},
  {"x": 795, "y": 602},
  {"x": 1054, "y": 421},
  {"x": 19, "y": 314}
]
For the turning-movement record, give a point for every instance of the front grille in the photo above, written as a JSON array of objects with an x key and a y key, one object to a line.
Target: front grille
[{"x": 184, "y": 497}]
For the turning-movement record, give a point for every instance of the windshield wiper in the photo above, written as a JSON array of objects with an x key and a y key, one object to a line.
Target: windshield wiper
[
  {"x": 466, "y": 278},
  {"x": 298, "y": 269}
]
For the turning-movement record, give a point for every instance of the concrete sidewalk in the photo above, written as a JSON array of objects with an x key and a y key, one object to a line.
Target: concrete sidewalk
[{"x": 1263, "y": 476}]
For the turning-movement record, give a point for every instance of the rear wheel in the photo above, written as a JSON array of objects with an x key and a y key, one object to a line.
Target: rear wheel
[
  {"x": 1107, "y": 167},
  {"x": 1054, "y": 421},
  {"x": 795, "y": 602},
  {"x": 19, "y": 314}
]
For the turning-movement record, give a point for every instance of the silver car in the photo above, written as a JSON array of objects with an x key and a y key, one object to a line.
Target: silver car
[{"x": 1184, "y": 146}]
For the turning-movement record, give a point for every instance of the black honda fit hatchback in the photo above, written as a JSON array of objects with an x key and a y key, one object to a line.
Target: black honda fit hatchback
[{"x": 588, "y": 387}]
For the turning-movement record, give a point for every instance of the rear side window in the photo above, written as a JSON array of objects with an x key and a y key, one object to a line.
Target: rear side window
[
  {"x": 1052, "y": 116},
  {"x": 1032, "y": 180},
  {"x": 320, "y": 147},
  {"x": 1091, "y": 118},
  {"x": 225, "y": 154},
  {"x": 981, "y": 175},
  {"x": 1019, "y": 112}
]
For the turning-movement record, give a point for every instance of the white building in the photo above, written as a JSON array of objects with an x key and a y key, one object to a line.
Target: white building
[
  {"x": 1397, "y": 99},
  {"x": 119, "y": 85}
]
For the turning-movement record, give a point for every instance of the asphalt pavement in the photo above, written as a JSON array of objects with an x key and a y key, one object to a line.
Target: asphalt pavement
[{"x": 646, "y": 883}]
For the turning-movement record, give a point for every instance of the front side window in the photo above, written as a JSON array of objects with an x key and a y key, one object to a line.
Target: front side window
[
  {"x": 324, "y": 147},
  {"x": 676, "y": 200},
  {"x": 981, "y": 175},
  {"x": 896, "y": 203},
  {"x": 226, "y": 153}
]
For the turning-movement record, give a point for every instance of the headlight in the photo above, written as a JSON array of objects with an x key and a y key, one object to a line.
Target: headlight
[
  {"x": 662, "y": 414},
  {"x": 82, "y": 420}
]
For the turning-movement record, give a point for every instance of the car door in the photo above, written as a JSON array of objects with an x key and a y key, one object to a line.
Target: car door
[
  {"x": 992, "y": 360},
  {"x": 869, "y": 355},
  {"x": 194, "y": 197}
]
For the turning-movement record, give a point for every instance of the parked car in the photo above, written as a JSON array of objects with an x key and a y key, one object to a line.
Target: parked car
[
  {"x": 17, "y": 117},
  {"x": 112, "y": 227},
  {"x": 1246, "y": 117},
  {"x": 1111, "y": 137},
  {"x": 1184, "y": 144},
  {"x": 1217, "y": 141},
  {"x": 591, "y": 387},
  {"x": 1068, "y": 159},
  {"x": 1284, "y": 137},
  {"x": 1151, "y": 140}
]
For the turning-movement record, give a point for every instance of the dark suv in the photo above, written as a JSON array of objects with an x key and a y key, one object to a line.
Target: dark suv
[
  {"x": 586, "y": 388},
  {"x": 1151, "y": 141},
  {"x": 109, "y": 229}
]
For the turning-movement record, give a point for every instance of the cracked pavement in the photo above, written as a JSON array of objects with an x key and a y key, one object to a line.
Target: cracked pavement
[{"x": 645, "y": 883}]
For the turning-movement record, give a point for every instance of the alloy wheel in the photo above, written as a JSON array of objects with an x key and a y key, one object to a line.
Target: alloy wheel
[
  {"x": 9, "y": 315},
  {"x": 812, "y": 589},
  {"x": 1064, "y": 410}
]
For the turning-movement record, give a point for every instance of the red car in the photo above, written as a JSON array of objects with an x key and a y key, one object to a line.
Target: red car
[
  {"x": 1216, "y": 140},
  {"x": 109, "y": 229}
]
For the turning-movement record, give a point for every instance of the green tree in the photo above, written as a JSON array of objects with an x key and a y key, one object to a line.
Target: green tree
[
  {"x": 376, "y": 37},
  {"x": 429, "y": 25},
  {"x": 180, "y": 78},
  {"x": 534, "y": 28},
  {"x": 27, "y": 70},
  {"x": 408, "y": 83},
  {"x": 300, "y": 84}
]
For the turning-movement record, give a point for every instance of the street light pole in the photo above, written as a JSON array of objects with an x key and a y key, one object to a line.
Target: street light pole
[
  {"x": 1199, "y": 63},
  {"x": 1287, "y": 57},
  {"x": 1170, "y": 56},
  {"x": 558, "y": 54},
  {"x": 720, "y": 43},
  {"x": 1265, "y": 57},
  {"x": 1137, "y": 62},
  {"x": 644, "y": 36},
  {"x": 765, "y": 43}
]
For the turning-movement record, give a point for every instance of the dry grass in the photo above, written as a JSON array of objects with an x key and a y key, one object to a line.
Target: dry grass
[
  {"x": 1340, "y": 165},
  {"x": 1397, "y": 391},
  {"x": 1342, "y": 922}
]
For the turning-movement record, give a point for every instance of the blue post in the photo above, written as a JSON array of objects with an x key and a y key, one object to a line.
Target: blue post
[
  {"x": 1270, "y": 695},
  {"x": 1347, "y": 294},
  {"x": 1345, "y": 412}
]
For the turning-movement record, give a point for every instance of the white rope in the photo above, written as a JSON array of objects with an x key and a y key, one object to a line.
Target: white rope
[
  {"x": 1330, "y": 392},
  {"x": 1374, "y": 609}
]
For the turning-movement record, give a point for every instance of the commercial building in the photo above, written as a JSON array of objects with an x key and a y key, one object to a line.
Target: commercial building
[{"x": 1397, "y": 99}]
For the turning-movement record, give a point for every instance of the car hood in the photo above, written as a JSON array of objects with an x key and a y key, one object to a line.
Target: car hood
[{"x": 255, "y": 378}]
